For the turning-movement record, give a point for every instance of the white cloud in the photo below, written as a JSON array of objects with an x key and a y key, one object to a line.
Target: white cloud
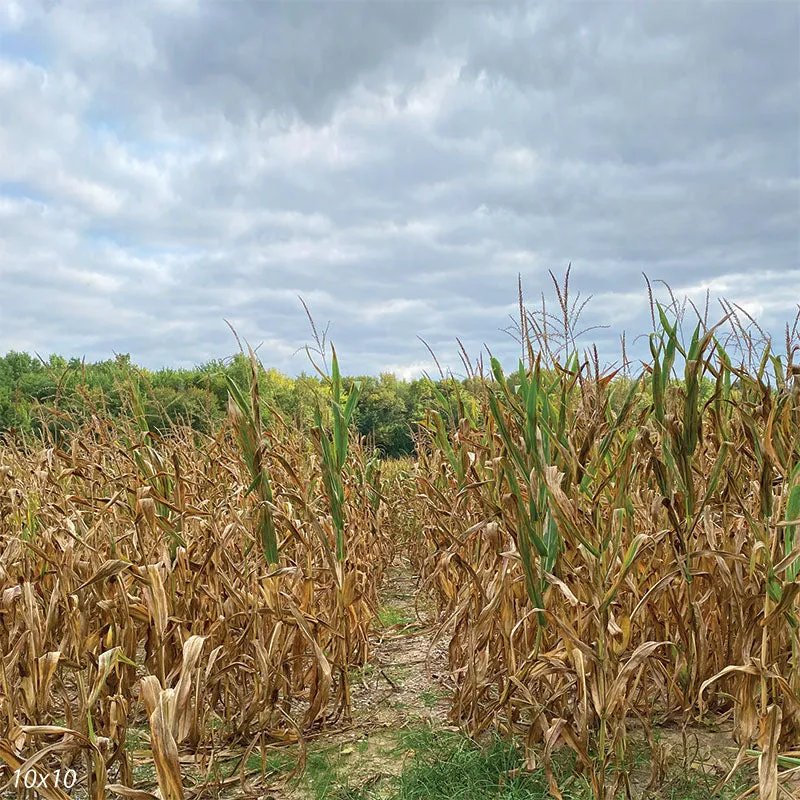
[
  {"x": 384, "y": 311},
  {"x": 415, "y": 369},
  {"x": 167, "y": 166}
]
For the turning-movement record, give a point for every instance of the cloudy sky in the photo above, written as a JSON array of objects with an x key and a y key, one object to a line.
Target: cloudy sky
[{"x": 166, "y": 165}]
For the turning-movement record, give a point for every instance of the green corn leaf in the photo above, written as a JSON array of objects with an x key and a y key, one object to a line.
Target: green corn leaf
[
  {"x": 762, "y": 366},
  {"x": 627, "y": 563},
  {"x": 790, "y": 531},
  {"x": 352, "y": 400},
  {"x": 497, "y": 371},
  {"x": 336, "y": 378},
  {"x": 269, "y": 539}
]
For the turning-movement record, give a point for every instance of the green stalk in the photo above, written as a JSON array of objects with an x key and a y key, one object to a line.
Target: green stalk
[{"x": 245, "y": 414}]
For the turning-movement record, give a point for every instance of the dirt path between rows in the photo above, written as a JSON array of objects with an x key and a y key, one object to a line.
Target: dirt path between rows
[
  {"x": 404, "y": 684},
  {"x": 406, "y": 680}
]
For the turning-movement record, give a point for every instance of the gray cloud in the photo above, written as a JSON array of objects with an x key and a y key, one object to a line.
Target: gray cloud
[{"x": 167, "y": 165}]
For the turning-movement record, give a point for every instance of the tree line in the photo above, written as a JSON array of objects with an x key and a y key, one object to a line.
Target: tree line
[{"x": 60, "y": 392}]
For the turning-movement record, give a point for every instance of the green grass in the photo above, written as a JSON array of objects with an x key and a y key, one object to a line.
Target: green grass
[
  {"x": 440, "y": 765},
  {"x": 275, "y": 763},
  {"x": 448, "y": 765},
  {"x": 397, "y": 674},
  {"x": 144, "y": 774},
  {"x": 390, "y": 616},
  {"x": 324, "y": 776},
  {"x": 445, "y": 765},
  {"x": 361, "y": 674},
  {"x": 429, "y": 699},
  {"x": 698, "y": 786},
  {"x": 137, "y": 737}
]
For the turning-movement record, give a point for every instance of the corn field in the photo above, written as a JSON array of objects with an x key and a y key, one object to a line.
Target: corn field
[
  {"x": 605, "y": 551},
  {"x": 222, "y": 588}
]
